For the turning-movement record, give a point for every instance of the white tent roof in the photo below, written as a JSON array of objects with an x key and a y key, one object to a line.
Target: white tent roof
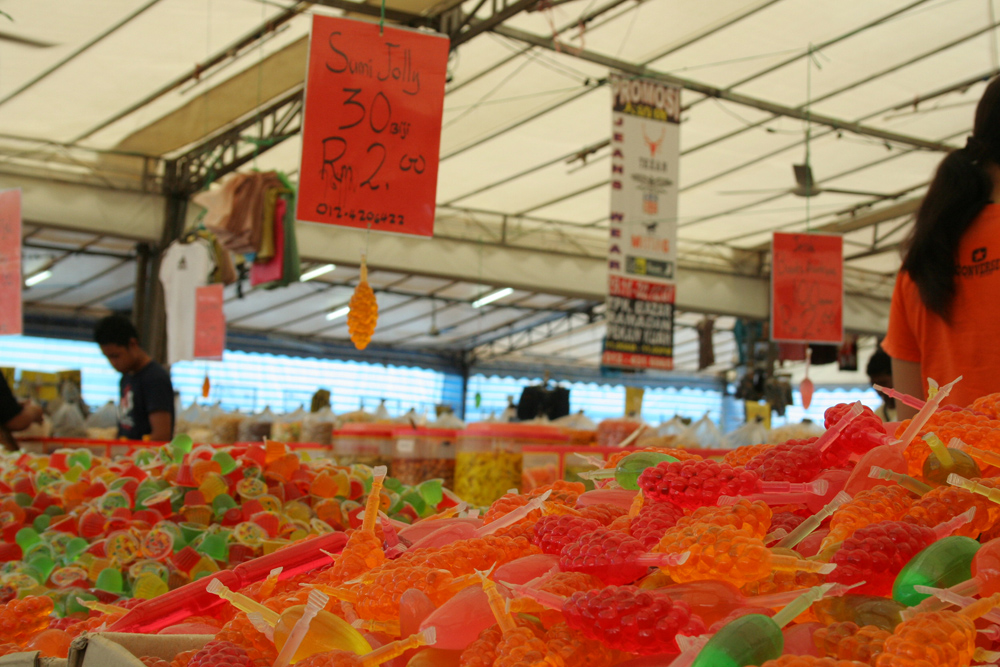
[{"x": 100, "y": 92}]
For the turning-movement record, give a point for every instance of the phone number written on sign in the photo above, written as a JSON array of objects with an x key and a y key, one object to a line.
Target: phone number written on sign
[{"x": 361, "y": 215}]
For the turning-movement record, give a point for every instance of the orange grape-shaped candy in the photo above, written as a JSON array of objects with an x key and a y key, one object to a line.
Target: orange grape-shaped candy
[
  {"x": 939, "y": 639},
  {"x": 20, "y": 620},
  {"x": 363, "y": 316},
  {"x": 331, "y": 659},
  {"x": 754, "y": 518},
  {"x": 880, "y": 503},
  {"x": 946, "y": 502},
  {"x": 738, "y": 457},
  {"x": 846, "y": 641},
  {"x": 482, "y": 652},
  {"x": 811, "y": 661},
  {"x": 519, "y": 646}
]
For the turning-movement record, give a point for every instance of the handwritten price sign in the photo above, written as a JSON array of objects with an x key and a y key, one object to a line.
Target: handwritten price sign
[
  {"x": 807, "y": 288},
  {"x": 372, "y": 129},
  {"x": 209, "y": 323},
  {"x": 10, "y": 263}
]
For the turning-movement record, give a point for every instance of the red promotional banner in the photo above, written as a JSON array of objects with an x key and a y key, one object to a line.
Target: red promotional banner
[
  {"x": 209, "y": 323},
  {"x": 807, "y": 288},
  {"x": 10, "y": 263},
  {"x": 372, "y": 129}
]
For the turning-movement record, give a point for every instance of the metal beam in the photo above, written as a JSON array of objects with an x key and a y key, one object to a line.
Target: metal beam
[
  {"x": 578, "y": 276},
  {"x": 729, "y": 95}
]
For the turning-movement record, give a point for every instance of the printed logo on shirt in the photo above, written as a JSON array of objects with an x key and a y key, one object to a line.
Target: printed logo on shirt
[
  {"x": 978, "y": 255},
  {"x": 182, "y": 265},
  {"x": 125, "y": 408}
]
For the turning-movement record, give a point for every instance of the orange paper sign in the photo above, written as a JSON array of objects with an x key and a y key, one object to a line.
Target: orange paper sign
[
  {"x": 209, "y": 323},
  {"x": 10, "y": 263},
  {"x": 807, "y": 288},
  {"x": 372, "y": 129}
]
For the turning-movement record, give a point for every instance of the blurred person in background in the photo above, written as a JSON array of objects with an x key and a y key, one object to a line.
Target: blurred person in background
[
  {"x": 15, "y": 415},
  {"x": 146, "y": 404},
  {"x": 880, "y": 373}
]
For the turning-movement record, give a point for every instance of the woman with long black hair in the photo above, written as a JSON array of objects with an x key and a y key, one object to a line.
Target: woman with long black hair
[{"x": 945, "y": 317}]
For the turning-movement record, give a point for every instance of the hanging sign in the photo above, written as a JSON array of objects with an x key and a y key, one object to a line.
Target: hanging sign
[
  {"x": 642, "y": 250},
  {"x": 10, "y": 263},
  {"x": 807, "y": 288},
  {"x": 371, "y": 132},
  {"x": 209, "y": 323}
]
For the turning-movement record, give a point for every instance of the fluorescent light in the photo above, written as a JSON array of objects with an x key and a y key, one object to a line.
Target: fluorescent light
[
  {"x": 317, "y": 272},
  {"x": 493, "y": 296},
  {"x": 37, "y": 278},
  {"x": 337, "y": 314}
]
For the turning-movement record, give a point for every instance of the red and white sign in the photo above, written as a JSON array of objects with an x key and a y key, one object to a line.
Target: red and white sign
[
  {"x": 372, "y": 129},
  {"x": 11, "y": 322},
  {"x": 209, "y": 323},
  {"x": 807, "y": 288},
  {"x": 642, "y": 248}
]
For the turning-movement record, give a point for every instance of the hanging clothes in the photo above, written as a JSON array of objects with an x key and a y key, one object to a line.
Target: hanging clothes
[
  {"x": 184, "y": 268},
  {"x": 271, "y": 271}
]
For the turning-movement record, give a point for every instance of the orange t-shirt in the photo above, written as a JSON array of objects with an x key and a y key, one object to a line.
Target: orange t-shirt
[{"x": 970, "y": 345}]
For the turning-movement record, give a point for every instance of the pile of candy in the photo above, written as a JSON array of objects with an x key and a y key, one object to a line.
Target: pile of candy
[
  {"x": 854, "y": 548},
  {"x": 80, "y": 531}
]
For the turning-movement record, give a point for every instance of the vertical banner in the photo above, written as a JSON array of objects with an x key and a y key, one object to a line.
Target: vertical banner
[
  {"x": 642, "y": 253},
  {"x": 807, "y": 288},
  {"x": 10, "y": 263},
  {"x": 209, "y": 323},
  {"x": 371, "y": 133}
]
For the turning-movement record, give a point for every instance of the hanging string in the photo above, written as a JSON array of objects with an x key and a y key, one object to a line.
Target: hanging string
[
  {"x": 809, "y": 186},
  {"x": 381, "y": 19},
  {"x": 260, "y": 81}
]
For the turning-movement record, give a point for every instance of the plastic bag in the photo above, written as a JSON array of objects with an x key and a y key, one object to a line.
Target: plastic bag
[
  {"x": 67, "y": 422},
  {"x": 802, "y": 431},
  {"x": 104, "y": 417},
  {"x": 577, "y": 421},
  {"x": 706, "y": 433},
  {"x": 751, "y": 433},
  {"x": 675, "y": 427},
  {"x": 449, "y": 420}
]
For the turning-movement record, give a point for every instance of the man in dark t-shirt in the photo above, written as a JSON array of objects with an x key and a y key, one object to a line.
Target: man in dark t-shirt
[{"x": 146, "y": 404}]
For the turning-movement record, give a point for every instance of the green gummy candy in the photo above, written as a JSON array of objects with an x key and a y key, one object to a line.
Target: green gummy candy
[
  {"x": 941, "y": 565},
  {"x": 749, "y": 640}
]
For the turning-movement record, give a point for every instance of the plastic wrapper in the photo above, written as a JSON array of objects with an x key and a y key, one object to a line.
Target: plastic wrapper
[
  {"x": 800, "y": 431},
  {"x": 195, "y": 422},
  {"x": 67, "y": 422},
  {"x": 751, "y": 433},
  {"x": 706, "y": 434},
  {"x": 104, "y": 417},
  {"x": 490, "y": 461}
]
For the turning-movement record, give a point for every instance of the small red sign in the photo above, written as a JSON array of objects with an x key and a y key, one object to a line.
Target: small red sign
[
  {"x": 10, "y": 263},
  {"x": 209, "y": 323},
  {"x": 807, "y": 288},
  {"x": 372, "y": 129}
]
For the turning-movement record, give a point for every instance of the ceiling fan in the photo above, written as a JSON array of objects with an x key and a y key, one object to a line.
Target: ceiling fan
[{"x": 805, "y": 186}]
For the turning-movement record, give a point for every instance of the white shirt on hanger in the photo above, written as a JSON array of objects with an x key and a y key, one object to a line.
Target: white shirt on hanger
[{"x": 183, "y": 269}]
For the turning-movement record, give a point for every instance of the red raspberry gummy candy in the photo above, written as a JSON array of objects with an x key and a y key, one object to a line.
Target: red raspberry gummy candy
[
  {"x": 695, "y": 483},
  {"x": 630, "y": 619},
  {"x": 555, "y": 531}
]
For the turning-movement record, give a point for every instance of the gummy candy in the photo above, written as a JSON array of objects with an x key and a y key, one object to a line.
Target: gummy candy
[{"x": 363, "y": 315}]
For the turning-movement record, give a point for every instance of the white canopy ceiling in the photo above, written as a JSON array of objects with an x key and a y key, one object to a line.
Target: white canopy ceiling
[{"x": 100, "y": 92}]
